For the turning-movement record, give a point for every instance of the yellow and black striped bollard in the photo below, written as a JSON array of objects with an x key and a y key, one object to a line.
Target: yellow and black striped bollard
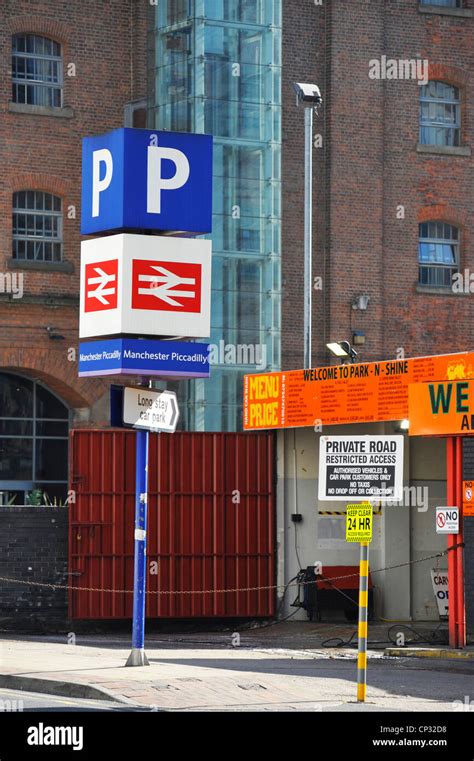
[{"x": 363, "y": 605}]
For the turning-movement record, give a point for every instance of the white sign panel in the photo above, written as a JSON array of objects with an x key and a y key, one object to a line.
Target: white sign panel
[
  {"x": 447, "y": 520},
  {"x": 151, "y": 410},
  {"x": 439, "y": 577},
  {"x": 145, "y": 285},
  {"x": 360, "y": 468}
]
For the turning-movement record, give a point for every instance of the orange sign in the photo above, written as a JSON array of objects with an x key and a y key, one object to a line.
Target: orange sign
[
  {"x": 359, "y": 393},
  {"x": 441, "y": 408},
  {"x": 468, "y": 497}
]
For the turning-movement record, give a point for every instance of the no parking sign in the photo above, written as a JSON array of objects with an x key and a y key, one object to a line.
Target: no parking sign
[
  {"x": 468, "y": 497},
  {"x": 447, "y": 520}
]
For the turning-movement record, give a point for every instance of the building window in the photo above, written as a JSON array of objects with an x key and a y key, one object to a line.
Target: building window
[
  {"x": 37, "y": 226},
  {"x": 440, "y": 114},
  {"x": 438, "y": 253},
  {"x": 34, "y": 427},
  {"x": 134, "y": 114},
  {"x": 37, "y": 71},
  {"x": 443, "y": 3}
]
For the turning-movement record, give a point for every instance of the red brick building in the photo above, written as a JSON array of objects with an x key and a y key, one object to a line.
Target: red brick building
[
  {"x": 387, "y": 189},
  {"x": 377, "y": 178},
  {"x": 375, "y": 183},
  {"x": 90, "y": 62},
  {"x": 393, "y": 196}
]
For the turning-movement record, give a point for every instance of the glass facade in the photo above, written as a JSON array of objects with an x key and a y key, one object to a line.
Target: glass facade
[{"x": 217, "y": 70}]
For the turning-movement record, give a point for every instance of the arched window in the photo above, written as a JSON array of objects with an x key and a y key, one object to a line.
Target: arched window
[
  {"x": 34, "y": 426},
  {"x": 440, "y": 114},
  {"x": 438, "y": 253},
  {"x": 37, "y": 226},
  {"x": 37, "y": 70}
]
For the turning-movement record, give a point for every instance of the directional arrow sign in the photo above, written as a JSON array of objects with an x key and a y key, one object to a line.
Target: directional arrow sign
[{"x": 151, "y": 410}]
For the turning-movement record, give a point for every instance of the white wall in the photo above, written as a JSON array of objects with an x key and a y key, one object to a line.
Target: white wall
[
  {"x": 427, "y": 469},
  {"x": 401, "y": 533}
]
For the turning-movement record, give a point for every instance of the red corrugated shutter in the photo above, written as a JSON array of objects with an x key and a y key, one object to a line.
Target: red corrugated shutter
[{"x": 210, "y": 523}]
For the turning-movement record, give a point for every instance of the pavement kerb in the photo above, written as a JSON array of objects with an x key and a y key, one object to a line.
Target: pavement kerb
[
  {"x": 435, "y": 652},
  {"x": 59, "y": 687}
]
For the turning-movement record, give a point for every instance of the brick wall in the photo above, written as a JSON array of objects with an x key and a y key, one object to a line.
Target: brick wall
[
  {"x": 107, "y": 44},
  {"x": 368, "y": 166},
  {"x": 306, "y": 58},
  {"x": 33, "y": 547}
]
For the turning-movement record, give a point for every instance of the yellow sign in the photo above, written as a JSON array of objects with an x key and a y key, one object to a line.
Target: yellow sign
[
  {"x": 441, "y": 408},
  {"x": 359, "y": 523}
]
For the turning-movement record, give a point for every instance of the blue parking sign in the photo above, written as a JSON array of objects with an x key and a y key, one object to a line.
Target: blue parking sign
[{"x": 138, "y": 179}]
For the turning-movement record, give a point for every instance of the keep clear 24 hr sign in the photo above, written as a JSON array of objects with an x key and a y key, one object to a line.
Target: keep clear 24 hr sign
[{"x": 360, "y": 467}]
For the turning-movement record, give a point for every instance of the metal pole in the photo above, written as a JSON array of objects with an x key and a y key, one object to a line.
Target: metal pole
[
  {"x": 452, "y": 540},
  {"x": 308, "y": 232},
  {"x": 363, "y": 604},
  {"x": 138, "y": 657},
  {"x": 460, "y": 603}
]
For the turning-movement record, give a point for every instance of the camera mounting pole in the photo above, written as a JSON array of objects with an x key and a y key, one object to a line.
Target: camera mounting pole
[
  {"x": 308, "y": 233},
  {"x": 310, "y": 97}
]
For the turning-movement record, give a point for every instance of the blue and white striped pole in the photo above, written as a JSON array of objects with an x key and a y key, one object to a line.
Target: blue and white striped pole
[{"x": 138, "y": 657}]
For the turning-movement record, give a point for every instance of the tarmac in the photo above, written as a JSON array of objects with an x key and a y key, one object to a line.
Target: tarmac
[{"x": 293, "y": 665}]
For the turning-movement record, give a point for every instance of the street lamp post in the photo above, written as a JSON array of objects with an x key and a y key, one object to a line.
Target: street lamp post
[
  {"x": 344, "y": 350},
  {"x": 310, "y": 96},
  {"x": 308, "y": 232}
]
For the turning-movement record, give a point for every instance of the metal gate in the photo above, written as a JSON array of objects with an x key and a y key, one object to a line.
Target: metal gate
[{"x": 210, "y": 524}]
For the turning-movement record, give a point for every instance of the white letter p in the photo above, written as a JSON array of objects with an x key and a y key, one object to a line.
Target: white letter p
[
  {"x": 98, "y": 185},
  {"x": 156, "y": 183}
]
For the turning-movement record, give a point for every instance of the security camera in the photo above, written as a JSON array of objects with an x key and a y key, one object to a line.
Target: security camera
[
  {"x": 361, "y": 302},
  {"x": 306, "y": 93}
]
